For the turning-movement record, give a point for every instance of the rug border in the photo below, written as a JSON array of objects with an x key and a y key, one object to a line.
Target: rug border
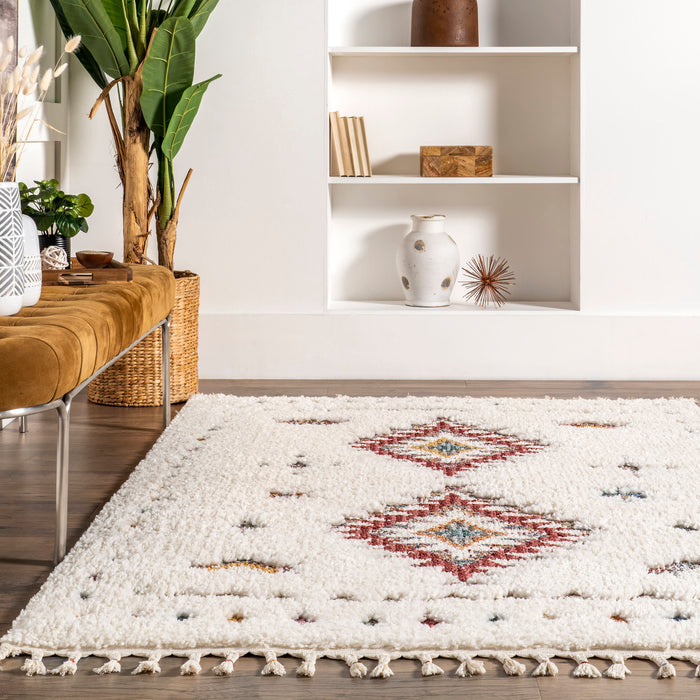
[{"x": 469, "y": 664}]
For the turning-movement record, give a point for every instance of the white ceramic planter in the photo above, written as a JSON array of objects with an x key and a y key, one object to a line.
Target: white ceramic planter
[
  {"x": 32, "y": 263},
  {"x": 428, "y": 262},
  {"x": 11, "y": 250}
]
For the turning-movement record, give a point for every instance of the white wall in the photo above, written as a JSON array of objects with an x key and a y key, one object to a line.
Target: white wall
[
  {"x": 253, "y": 223},
  {"x": 641, "y": 147},
  {"x": 250, "y": 223}
]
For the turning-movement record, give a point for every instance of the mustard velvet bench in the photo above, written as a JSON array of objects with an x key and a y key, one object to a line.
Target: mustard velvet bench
[{"x": 50, "y": 352}]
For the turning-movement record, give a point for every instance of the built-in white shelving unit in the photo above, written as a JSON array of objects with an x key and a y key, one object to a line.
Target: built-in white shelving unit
[
  {"x": 423, "y": 51},
  {"x": 458, "y": 182},
  {"x": 381, "y": 307},
  {"x": 518, "y": 92}
]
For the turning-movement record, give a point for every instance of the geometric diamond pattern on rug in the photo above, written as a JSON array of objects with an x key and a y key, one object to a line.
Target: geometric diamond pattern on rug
[
  {"x": 462, "y": 535},
  {"x": 677, "y": 568},
  {"x": 448, "y": 447}
]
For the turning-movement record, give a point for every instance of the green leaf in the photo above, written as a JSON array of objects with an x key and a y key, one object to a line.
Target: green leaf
[
  {"x": 67, "y": 225},
  {"x": 200, "y": 14},
  {"x": 90, "y": 19},
  {"x": 87, "y": 60},
  {"x": 182, "y": 118},
  {"x": 83, "y": 206},
  {"x": 167, "y": 72},
  {"x": 43, "y": 221},
  {"x": 182, "y": 8},
  {"x": 115, "y": 11},
  {"x": 83, "y": 225}
]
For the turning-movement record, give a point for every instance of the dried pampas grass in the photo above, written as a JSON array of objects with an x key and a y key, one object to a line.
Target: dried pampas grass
[{"x": 21, "y": 95}]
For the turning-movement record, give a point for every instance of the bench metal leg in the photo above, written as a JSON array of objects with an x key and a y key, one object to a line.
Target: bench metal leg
[
  {"x": 63, "y": 407},
  {"x": 166, "y": 372},
  {"x": 62, "y": 456}
]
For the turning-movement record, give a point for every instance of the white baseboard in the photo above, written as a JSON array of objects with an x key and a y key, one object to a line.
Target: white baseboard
[{"x": 570, "y": 346}]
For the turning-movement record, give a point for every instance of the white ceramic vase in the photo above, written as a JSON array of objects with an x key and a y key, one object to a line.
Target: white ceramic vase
[
  {"x": 11, "y": 250},
  {"x": 32, "y": 263},
  {"x": 428, "y": 262}
]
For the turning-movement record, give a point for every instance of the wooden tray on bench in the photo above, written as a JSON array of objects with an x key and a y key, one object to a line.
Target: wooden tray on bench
[{"x": 79, "y": 276}]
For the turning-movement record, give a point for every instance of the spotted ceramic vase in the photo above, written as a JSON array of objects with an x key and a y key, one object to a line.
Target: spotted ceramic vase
[{"x": 428, "y": 262}]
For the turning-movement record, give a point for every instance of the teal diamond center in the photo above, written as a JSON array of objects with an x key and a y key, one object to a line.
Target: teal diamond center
[
  {"x": 446, "y": 447},
  {"x": 461, "y": 533}
]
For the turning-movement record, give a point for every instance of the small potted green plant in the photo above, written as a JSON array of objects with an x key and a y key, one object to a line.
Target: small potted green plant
[{"x": 58, "y": 216}]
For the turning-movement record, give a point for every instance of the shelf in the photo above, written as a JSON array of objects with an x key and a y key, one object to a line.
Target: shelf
[
  {"x": 519, "y": 92},
  {"x": 399, "y": 308},
  {"x": 401, "y": 51},
  {"x": 495, "y": 180}
]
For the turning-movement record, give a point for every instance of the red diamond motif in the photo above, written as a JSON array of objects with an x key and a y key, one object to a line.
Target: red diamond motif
[
  {"x": 448, "y": 447},
  {"x": 461, "y": 535}
]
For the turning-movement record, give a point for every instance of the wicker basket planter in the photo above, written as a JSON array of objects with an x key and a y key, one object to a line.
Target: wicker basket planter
[{"x": 136, "y": 379}]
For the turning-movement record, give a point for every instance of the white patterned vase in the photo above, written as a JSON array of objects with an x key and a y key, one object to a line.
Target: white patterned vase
[
  {"x": 428, "y": 262},
  {"x": 32, "y": 263},
  {"x": 11, "y": 250}
]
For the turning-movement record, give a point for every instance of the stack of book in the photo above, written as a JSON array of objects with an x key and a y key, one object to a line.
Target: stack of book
[{"x": 349, "y": 152}]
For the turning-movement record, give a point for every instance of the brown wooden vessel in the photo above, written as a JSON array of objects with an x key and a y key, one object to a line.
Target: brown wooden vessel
[{"x": 445, "y": 23}]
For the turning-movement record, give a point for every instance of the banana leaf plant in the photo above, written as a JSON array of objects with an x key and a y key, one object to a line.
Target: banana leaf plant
[{"x": 145, "y": 49}]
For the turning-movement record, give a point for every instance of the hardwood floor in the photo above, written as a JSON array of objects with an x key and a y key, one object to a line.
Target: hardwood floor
[{"x": 106, "y": 444}]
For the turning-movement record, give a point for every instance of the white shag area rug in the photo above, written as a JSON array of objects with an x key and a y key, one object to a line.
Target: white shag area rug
[{"x": 377, "y": 528}]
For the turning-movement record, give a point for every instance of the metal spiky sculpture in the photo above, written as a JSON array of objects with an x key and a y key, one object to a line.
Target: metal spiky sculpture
[{"x": 487, "y": 280}]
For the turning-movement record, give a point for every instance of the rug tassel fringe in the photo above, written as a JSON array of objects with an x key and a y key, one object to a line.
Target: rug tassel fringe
[
  {"x": 35, "y": 665},
  {"x": 547, "y": 667},
  {"x": 307, "y": 668},
  {"x": 666, "y": 669},
  {"x": 382, "y": 670},
  {"x": 151, "y": 665},
  {"x": 191, "y": 667},
  {"x": 470, "y": 667},
  {"x": 511, "y": 666},
  {"x": 67, "y": 668},
  {"x": 273, "y": 667},
  {"x": 428, "y": 668},
  {"x": 112, "y": 666},
  {"x": 618, "y": 670},
  {"x": 586, "y": 669},
  {"x": 225, "y": 668},
  {"x": 357, "y": 668}
]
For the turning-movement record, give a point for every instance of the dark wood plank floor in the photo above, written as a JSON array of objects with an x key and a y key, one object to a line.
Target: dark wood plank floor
[{"x": 106, "y": 444}]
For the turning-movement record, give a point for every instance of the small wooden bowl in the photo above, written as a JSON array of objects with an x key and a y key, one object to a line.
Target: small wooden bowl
[{"x": 93, "y": 259}]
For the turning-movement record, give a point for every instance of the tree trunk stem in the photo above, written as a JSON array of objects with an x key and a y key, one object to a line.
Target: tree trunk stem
[{"x": 135, "y": 181}]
